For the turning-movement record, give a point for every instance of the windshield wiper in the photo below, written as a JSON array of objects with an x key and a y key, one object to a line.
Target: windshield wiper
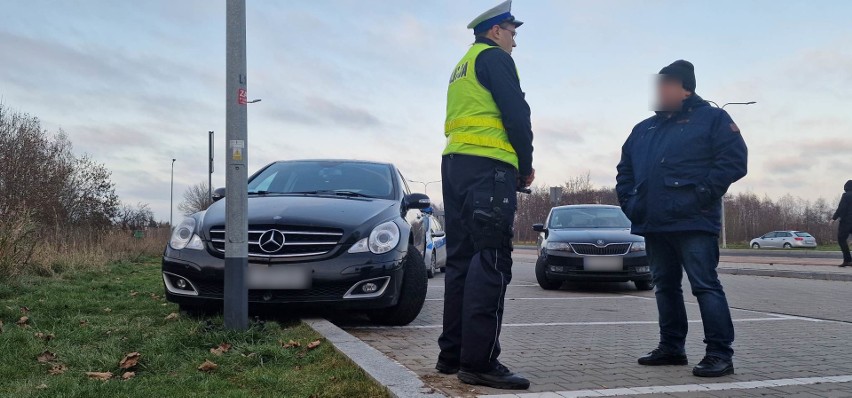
[{"x": 350, "y": 194}]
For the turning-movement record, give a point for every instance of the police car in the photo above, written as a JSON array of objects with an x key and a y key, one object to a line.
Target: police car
[{"x": 436, "y": 246}]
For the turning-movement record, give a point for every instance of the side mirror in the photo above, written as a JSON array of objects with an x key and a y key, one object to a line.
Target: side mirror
[
  {"x": 539, "y": 228},
  {"x": 218, "y": 194},
  {"x": 417, "y": 201},
  {"x": 439, "y": 234}
]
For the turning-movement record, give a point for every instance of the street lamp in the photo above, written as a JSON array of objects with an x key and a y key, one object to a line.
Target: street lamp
[
  {"x": 724, "y": 224},
  {"x": 425, "y": 184},
  {"x": 172, "y": 198}
]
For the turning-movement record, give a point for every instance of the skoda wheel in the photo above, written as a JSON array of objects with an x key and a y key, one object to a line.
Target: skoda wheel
[{"x": 541, "y": 276}]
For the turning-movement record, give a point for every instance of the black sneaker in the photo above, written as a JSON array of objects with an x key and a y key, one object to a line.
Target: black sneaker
[
  {"x": 447, "y": 367},
  {"x": 845, "y": 264},
  {"x": 660, "y": 357},
  {"x": 498, "y": 377},
  {"x": 713, "y": 366}
]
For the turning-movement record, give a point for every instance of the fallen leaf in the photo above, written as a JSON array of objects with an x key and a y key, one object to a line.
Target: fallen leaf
[
  {"x": 107, "y": 309},
  {"x": 128, "y": 375},
  {"x": 207, "y": 366},
  {"x": 83, "y": 322},
  {"x": 133, "y": 293},
  {"x": 130, "y": 360},
  {"x": 25, "y": 310},
  {"x": 41, "y": 386},
  {"x": 313, "y": 344},
  {"x": 252, "y": 354},
  {"x": 221, "y": 349},
  {"x": 45, "y": 357},
  {"x": 23, "y": 321},
  {"x": 57, "y": 369},
  {"x": 154, "y": 296},
  {"x": 45, "y": 336},
  {"x": 99, "y": 375},
  {"x": 1, "y": 326},
  {"x": 291, "y": 344},
  {"x": 172, "y": 316}
]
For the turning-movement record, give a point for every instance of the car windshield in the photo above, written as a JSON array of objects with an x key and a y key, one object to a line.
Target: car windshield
[
  {"x": 344, "y": 178},
  {"x": 803, "y": 235},
  {"x": 588, "y": 217}
]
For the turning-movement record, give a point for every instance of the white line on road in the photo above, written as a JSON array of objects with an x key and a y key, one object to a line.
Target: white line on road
[
  {"x": 602, "y": 323},
  {"x": 556, "y": 298},
  {"x": 743, "y": 385}
]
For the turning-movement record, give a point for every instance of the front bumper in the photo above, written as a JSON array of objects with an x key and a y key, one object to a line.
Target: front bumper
[
  {"x": 335, "y": 281},
  {"x": 570, "y": 267}
]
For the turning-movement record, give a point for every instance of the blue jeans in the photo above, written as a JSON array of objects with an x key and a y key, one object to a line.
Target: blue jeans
[{"x": 669, "y": 254}]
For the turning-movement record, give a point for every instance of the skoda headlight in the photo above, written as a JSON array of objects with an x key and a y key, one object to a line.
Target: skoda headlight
[
  {"x": 184, "y": 236},
  {"x": 382, "y": 239},
  {"x": 637, "y": 247},
  {"x": 559, "y": 246}
]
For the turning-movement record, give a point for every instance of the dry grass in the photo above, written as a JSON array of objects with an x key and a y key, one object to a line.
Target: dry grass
[{"x": 28, "y": 249}]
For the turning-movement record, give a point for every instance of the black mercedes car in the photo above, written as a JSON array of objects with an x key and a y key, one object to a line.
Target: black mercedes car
[
  {"x": 339, "y": 233},
  {"x": 590, "y": 243}
]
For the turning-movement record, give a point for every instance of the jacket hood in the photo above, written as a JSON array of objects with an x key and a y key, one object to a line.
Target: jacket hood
[{"x": 848, "y": 186}]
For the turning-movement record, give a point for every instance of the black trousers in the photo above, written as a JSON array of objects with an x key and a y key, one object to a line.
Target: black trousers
[
  {"x": 479, "y": 262},
  {"x": 843, "y": 232}
]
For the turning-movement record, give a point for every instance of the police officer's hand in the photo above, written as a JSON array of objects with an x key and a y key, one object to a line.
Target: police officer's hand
[{"x": 526, "y": 181}]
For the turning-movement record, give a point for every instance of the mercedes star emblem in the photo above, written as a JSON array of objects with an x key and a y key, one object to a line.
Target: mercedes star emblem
[{"x": 271, "y": 241}]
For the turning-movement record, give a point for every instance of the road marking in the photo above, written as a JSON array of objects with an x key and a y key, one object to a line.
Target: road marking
[
  {"x": 631, "y": 391},
  {"x": 556, "y": 298},
  {"x": 601, "y": 323},
  {"x": 785, "y": 316}
]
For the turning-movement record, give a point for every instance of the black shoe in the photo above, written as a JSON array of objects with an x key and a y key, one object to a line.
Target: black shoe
[
  {"x": 447, "y": 367},
  {"x": 498, "y": 377},
  {"x": 845, "y": 264},
  {"x": 713, "y": 366},
  {"x": 660, "y": 357}
]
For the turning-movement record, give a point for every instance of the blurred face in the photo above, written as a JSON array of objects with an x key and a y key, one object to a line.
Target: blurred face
[
  {"x": 670, "y": 94},
  {"x": 504, "y": 36}
]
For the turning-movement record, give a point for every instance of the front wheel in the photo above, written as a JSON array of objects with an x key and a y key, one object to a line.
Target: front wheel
[
  {"x": 432, "y": 270},
  {"x": 644, "y": 285},
  {"x": 755, "y": 246},
  {"x": 541, "y": 276},
  {"x": 412, "y": 294}
]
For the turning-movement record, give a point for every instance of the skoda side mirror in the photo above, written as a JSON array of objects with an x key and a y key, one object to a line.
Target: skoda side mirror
[
  {"x": 417, "y": 201},
  {"x": 218, "y": 194}
]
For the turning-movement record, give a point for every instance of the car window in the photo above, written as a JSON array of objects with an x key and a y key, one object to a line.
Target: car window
[
  {"x": 804, "y": 235},
  {"x": 435, "y": 225},
  {"x": 370, "y": 179},
  {"x": 784, "y": 235},
  {"x": 588, "y": 217}
]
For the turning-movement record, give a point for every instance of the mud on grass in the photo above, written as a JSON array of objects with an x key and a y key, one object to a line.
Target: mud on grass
[{"x": 55, "y": 330}]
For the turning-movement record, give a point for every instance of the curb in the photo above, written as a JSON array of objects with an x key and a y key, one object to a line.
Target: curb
[
  {"x": 824, "y": 276},
  {"x": 400, "y": 382}
]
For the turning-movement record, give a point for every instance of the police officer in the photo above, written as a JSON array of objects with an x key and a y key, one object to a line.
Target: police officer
[
  {"x": 487, "y": 157},
  {"x": 844, "y": 213},
  {"x": 675, "y": 167}
]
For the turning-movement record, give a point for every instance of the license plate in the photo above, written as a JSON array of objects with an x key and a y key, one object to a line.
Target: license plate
[
  {"x": 603, "y": 263},
  {"x": 278, "y": 278}
]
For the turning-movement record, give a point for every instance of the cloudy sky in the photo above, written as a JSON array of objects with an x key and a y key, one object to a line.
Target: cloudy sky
[{"x": 137, "y": 83}]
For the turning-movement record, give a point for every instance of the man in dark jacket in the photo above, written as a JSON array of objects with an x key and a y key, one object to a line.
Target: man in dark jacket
[
  {"x": 844, "y": 213},
  {"x": 675, "y": 168}
]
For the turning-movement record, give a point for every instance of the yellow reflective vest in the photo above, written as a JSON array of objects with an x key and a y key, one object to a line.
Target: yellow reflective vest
[{"x": 474, "y": 125}]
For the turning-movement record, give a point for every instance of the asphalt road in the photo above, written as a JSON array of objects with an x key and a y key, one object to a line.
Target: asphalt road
[{"x": 793, "y": 339}]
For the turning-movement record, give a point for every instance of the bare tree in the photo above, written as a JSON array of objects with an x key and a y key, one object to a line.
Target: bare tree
[
  {"x": 195, "y": 199},
  {"x": 137, "y": 217}
]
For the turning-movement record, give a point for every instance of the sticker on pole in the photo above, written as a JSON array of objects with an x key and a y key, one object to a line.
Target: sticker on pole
[
  {"x": 242, "y": 96},
  {"x": 236, "y": 147}
]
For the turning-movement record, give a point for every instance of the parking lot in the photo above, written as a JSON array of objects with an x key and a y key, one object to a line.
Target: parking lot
[{"x": 793, "y": 339}]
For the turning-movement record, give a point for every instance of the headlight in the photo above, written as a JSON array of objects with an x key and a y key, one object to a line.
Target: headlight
[
  {"x": 559, "y": 246},
  {"x": 637, "y": 247},
  {"x": 184, "y": 236},
  {"x": 383, "y": 239}
]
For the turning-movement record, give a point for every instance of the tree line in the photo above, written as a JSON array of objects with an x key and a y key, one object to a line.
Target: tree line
[{"x": 747, "y": 215}]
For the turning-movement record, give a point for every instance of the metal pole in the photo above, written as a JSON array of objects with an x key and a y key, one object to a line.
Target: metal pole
[
  {"x": 210, "y": 170},
  {"x": 172, "y": 198},
  {"x": 236, "y": 202}
]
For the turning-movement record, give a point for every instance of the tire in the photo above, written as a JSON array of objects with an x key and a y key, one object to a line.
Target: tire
[
  {"x": 541, "y": 276},
  {"x": 412, "y": 294},
  {"x": 755, "y": 246},
  {"x": 199, "y": 310},
  {"x": 644, "y": 285},
  {"x": 432, "y": 270},
  {"x": 788, "y": 246}
]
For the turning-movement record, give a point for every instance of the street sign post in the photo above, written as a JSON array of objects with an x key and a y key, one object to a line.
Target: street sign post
[{"x": 236, "y": 160}]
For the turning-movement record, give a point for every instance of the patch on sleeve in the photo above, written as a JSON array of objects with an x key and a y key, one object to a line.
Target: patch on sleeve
[{"x": 734, "y": 128}]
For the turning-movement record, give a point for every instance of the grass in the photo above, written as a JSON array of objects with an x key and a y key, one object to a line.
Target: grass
[{"x": 96, "y": 317}]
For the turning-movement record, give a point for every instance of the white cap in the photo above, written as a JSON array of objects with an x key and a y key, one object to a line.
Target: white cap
[{"x": 495, "y": 16}]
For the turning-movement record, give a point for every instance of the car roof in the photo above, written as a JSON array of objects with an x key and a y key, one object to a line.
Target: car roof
[{"x": 584, "y": 206}]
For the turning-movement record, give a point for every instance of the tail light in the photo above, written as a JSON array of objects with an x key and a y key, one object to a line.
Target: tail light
[{"x": 800, "y": 238}]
